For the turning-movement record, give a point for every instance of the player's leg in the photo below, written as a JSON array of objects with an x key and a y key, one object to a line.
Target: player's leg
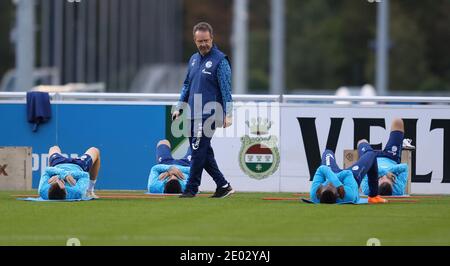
[
  {"x": 93, "y": 163},
  {"x": 53, "y": 150},
  {"x": 198, "y": 159},
  {"x": 199, "y": 144},
  {"x": 163, "y": 152},
  {"x": 55, "y": 156},
  {"x": 329, "y": 159},
  {"x": 366, "y": 158},
  {"x": 367, "y": 164},
  {"x": 187, "y": 157},
  {"x": 398, "y": 125},
  {"x": 393, "y": 148},
  {"x": 223, "y": 187},
  {"x": 91, "y": 159}
]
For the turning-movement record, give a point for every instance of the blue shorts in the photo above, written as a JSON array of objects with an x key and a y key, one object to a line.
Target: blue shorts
[
  {"x": 164, "y": 156},
  {"x": 393, "y": 149},
  {"x": 85, "y": 161}
]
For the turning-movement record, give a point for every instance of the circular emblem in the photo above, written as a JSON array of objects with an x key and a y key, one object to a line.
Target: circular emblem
[
  {"x": 394, "y": 148},
  {"x": 258, "y": 160},
  {"x": 355, "y": 168},
  {"x": 208, "y": 64}
]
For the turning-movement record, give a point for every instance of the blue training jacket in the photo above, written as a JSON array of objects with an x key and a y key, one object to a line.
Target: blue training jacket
[
  {"x": 155, "y": 185},
  {"x": 62, "y": 170},
  {"x": 208, "y": 76},
  {"x": 325, "y": 175},
  {"x": 387, "y": 165}
]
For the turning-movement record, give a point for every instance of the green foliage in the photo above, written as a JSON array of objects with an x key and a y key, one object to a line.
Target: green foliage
[
  {"x": 6, "y": 48},
  {"x": 332, "y": 43}
]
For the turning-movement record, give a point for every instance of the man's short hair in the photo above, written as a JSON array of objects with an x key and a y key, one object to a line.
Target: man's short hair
[
  {"x": 56, "y": 193},
  {"x": 385, "y": 189},
  {"x": 202, "y": 26},
  {"x": 172, "y": 187},
  {"x": 328, "y": 196}
]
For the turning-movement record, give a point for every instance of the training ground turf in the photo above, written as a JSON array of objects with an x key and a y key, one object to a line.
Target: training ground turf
[{"x": 241, "y": 219}]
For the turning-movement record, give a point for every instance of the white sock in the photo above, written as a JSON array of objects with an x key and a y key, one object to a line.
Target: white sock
[
  {"x": 91, "y": 185},
  {"x": 225, "y": 186}
]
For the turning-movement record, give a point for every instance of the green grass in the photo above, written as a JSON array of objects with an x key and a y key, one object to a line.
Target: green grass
[{"x": 241, "y": 219}]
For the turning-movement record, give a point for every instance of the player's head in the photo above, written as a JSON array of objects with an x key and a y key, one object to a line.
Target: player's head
[
  {"x": 203, "y": 37},
  {"x": 172, "y": 186},
  {"x": 328, "y": 194},
  {"x": 384, "y": 186},
  {"x": 57, "y": 190}
]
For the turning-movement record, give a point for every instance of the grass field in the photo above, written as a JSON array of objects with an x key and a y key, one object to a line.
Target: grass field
[{"x": 241, "y": 219}]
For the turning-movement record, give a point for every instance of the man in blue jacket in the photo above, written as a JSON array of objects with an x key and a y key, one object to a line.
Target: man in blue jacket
[
  {"x": 169, "y": 175},
  {"x": 70, "y": 178},
  {"x": 333, "y": 185},
  {"x": 206, "y": 99},
  {"x": 393, "y": 175}
]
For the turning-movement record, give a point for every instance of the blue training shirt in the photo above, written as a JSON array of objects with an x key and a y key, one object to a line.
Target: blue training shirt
[
  {"x": 72, "y": 192},
  {"x": 199, "y": 71},
  {"x": 155, "y": 185},
  {"x": 325, "y": 175},
  {"x": 386, "y": 165}
]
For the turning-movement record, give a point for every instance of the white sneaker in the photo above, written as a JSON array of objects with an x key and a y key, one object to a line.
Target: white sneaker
[
  {"x": 91, "y": 194},
  {"x": 407, "y": 144}
]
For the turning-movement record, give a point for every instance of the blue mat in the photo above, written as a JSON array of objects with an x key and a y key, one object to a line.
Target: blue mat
[
  {"x": 361, "y": 201},
  {"x": 66, "y": 200}
]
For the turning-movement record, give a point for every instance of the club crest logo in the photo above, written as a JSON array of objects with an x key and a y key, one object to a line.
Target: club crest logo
[{"x": 259, "y": 156}]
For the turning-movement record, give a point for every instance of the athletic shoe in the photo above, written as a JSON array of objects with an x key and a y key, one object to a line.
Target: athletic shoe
[
  {"x": 187, "y": 194},
  {"x": 407, "y": 144},
  {"x": 222, "y": 192},
  {"x": 377, "y": 199},
  {"x": 91, "y": 194}
]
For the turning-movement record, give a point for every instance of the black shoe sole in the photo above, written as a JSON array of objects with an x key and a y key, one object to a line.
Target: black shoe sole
[{"x": 224, "y": 196}]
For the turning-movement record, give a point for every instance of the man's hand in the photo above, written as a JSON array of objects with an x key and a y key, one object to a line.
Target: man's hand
[
  {"x": 341, "y": 192},
  {"x": 163, "y": 175},
  {"x": 391, "y": 176},
  {"x": 227, "y": 121},
  {"x": 175, "y": 115},
  {"x": 53, "y": 179},
  {"x": 71, "y": 180},
  {"x": 176, "y": 172}
]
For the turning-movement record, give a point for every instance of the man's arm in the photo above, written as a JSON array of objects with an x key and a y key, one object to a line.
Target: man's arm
[
  {"x": 224, "y": 78},
  {"x": 155, "y": 185},
  {"x": 44, "y": 186},
  {"x": 79, "y": 175},
  {"x": 350, "y": 187},
  {"x": 365, "y": 185},
  {"x": 318, "y": 179},
  {"x": 323, "y": 174},
  {"x": 401, "y": 171},
  {"x": 79, "y": 190}
]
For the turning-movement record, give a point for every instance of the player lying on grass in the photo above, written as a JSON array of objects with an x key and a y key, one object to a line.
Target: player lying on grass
[
  {"x": 334, "y": 185},
  {"x": 393, "y": 175},
  {"x": 169, "y": 175},
  {"x": 70, "y": 178}
]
